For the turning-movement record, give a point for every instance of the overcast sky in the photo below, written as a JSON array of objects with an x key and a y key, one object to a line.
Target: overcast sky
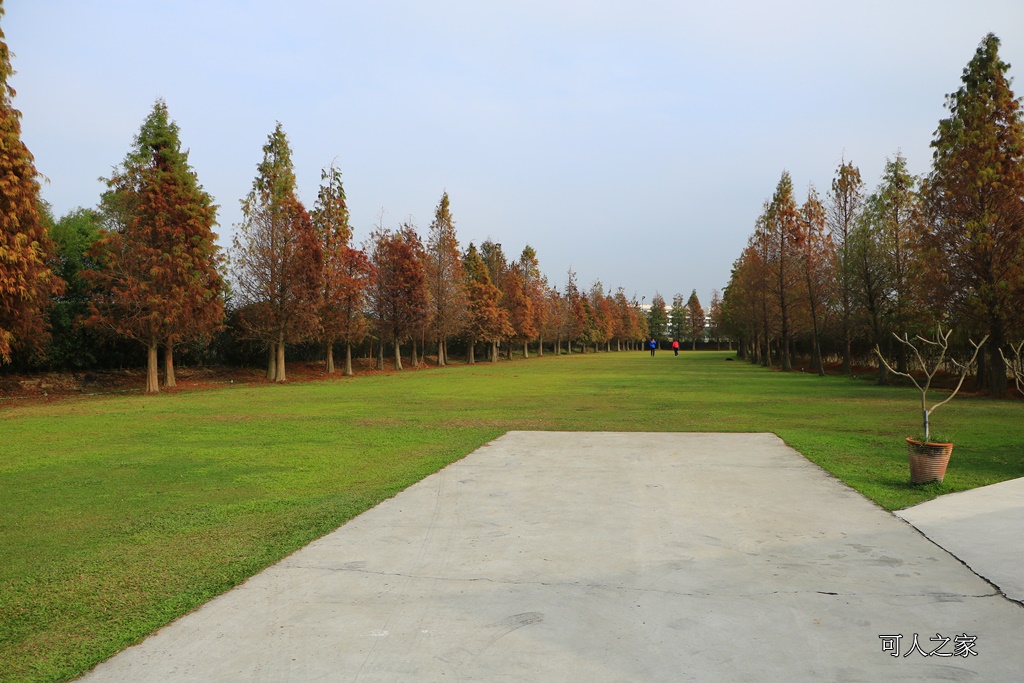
[{"x": 632, "y": 141}]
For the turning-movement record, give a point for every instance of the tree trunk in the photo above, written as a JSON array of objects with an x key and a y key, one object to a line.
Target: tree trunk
[
  {"x": 398, "y": 355},
  {"x": 494, "y": 352},
  {"x": 281, "y": 375},
  {"x": 271, "y": 362},
  {"x": 169, "y": 365},
  {"x": 847, "y": 356},
  {"x": 540, "y": 346},
  {"x": 441, "y": 353},
  {"x": 997, "y": 380},
  {"x": 526, "y": 350},
  {"x": 330, "y": 357},
  {"x": 152, "y": 374},
  {"x": 348, "y": 360},
  {"x": 817, "y": 342},
  {"x": 380, "y": 354},
  {"x": 414, "y": 360},
  {"x": 471, "y": 352},
  {"x": 901, "y": 356}
]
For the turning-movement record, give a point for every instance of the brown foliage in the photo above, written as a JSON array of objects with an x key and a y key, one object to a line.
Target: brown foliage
[{"x": 26, "y": 281}]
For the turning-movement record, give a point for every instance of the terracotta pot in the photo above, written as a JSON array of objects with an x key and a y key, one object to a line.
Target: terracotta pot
[{"x": 928, "y": 460}]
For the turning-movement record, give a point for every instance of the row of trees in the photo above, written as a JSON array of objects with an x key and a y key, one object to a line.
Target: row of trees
[
  {"x": 840, "y": 275},
  {"x": 300, "y": 278},
  {"x": 144, "y": 270},
  {"x": 685, "y": 320}
]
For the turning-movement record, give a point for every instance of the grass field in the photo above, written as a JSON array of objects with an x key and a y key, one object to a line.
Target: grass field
[{"x": 119, "y": 514}]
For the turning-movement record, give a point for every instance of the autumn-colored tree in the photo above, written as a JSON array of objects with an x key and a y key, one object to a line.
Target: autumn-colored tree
[
  {"x": 446, "y": 286},
  {"x": 580, "y": 316},
  {"x": 345, "y": 274},
  {"x": 602, "y": 317},
  {"x": 785, "y": 234},
  {"x": 26, "y": 281},
  {"x": 535, "y": 289},
  {"x": 398, "y": 296},
  {"x": 486, "y": 319},
  {"x": 626, "y": 328},
  {"x": 493, "y": 256},
  {"x": 520, "y": 310},
  {"x": 974, "y": 202},
  {"x": 844, "y": 205},
  {"x": 642, "y": 332},
  {"x": 276, "y": 259},
  {"x": 157, "y": 276},
  {"x": 694, "y": 318},
  {"x": 816, "y": 259},
  {"x": 557, "y": 321},
  {"x": 418, "y": 351},
  {"x": 605, "y": 314},
  {"x": 740, "y": 313}
]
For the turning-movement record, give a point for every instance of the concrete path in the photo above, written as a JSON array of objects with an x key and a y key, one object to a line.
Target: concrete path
[
  {"x": 604, "y": 557},
  {"x": 983, "y": 527}
]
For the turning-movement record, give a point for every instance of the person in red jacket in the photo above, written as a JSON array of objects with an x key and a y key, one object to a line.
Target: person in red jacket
[{"x": 675, "y": 346}]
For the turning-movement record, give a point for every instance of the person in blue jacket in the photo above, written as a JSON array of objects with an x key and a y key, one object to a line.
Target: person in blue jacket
[{"x": 653, "y": 345}]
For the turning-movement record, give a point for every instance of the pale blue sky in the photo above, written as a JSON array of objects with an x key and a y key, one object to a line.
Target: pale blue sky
[{"x": 634, "y": 142}]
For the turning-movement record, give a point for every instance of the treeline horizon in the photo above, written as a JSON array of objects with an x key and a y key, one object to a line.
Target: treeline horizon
[
  {"x": 141, "y": 274},
  {"x": 847, "y": 275},
  {"x": 143, "y": 271}
]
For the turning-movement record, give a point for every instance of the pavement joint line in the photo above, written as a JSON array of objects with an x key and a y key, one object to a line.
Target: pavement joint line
[{"x": 634, "y": 589}]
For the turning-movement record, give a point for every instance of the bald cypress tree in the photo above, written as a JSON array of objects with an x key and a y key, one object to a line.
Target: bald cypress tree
[
  {"x": 343, "y": 279},
  {"x": 157, "y": 278},
  {"x": 26, "y": 281},
  {"x": 446, "y": 281},
  {"x": 486, "y": 320},
  {"x": 276, "y": 259},
  {"x": 974, "y": 202},
  {"x": 844, "y": 204}
]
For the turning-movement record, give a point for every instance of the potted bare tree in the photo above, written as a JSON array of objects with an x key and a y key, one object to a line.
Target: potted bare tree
[{"x": 928, "y": 459}]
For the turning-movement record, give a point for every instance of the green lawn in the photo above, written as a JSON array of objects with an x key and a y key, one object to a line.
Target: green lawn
[{"x": 119, "y": 514}]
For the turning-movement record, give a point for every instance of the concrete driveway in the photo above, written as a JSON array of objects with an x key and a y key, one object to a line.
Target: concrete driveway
[{"x": 605, "y": 557}]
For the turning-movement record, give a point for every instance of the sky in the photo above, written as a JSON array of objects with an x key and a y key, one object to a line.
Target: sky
[{"x": 632, "y": 142}]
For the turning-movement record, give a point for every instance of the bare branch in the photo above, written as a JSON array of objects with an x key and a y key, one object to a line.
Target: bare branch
[
  {"x": 963, "y": 374},
  {"x": 1015, "y": 365},
  {"x": 941, "y": 342}
]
